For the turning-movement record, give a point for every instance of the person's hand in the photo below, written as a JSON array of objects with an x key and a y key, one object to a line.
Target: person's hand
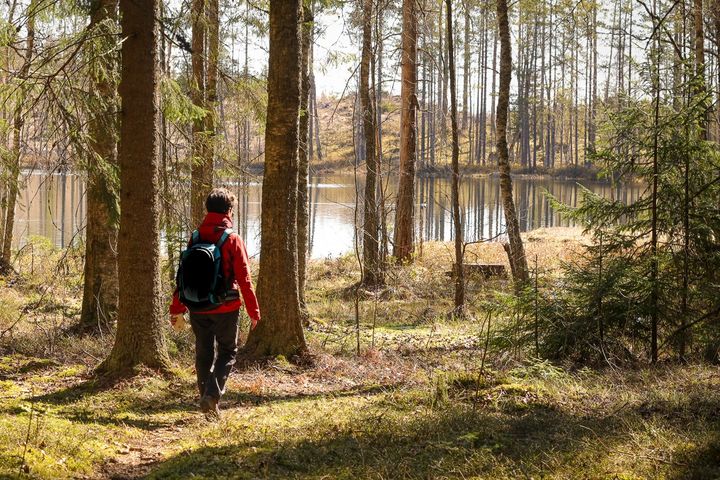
[{"x": 177, "y": 319}]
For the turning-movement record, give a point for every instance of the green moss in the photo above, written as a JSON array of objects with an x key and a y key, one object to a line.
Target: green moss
[{"x": 415, "y": 406}]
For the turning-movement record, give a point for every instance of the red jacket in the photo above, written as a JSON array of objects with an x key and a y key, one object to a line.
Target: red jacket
[{"x": 235, "y": 267}]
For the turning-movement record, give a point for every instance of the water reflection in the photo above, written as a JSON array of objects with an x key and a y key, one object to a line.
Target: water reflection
[{"x": 53, "y": 206}]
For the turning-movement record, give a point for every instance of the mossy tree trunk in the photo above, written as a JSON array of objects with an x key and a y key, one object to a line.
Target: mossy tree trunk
[
  {"x": 515, "y": 249},
  {"x": 280, "y": 331},
  {"x": 100, "y": 289},
  {"x": 139, "y": 339},
  {"x": 404, "y": 237}
]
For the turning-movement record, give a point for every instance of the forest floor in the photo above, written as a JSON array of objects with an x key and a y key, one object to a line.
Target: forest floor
[{"x": 422, "y": 400}]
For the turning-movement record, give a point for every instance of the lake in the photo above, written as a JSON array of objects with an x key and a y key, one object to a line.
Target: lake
[{"x": 53, "y": 206}]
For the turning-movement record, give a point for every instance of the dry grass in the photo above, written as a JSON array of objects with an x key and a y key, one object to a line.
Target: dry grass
[{"x": 413, "y": 404}]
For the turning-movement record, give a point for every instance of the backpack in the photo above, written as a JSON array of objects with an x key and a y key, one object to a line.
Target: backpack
[{"x": 200, "y": 280}]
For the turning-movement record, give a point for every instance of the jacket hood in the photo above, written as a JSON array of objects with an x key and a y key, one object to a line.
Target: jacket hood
[{"x": 215, "y": 220}]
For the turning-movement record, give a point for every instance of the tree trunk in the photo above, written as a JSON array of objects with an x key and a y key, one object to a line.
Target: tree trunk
[
  {"x": 457, "y": 221},
  {"x": 280, "y": 331},
  {"x": 200, "y": 170},
  {"x": 717, "y": 68},
  {"x": 700, "y": 61},
  {"x": 213, "y": 101},
  {"x": 315, "y": 118},
  {"x": 654, "y": 264},
  {"x": 466, "y": 64},
  {"x": 405, "y": 210},
  {"x": 139, "y": 339},
  {"x": 5, "y": 133},
  {"x": 12, "y": 186},
  {"x": 303, "y": 157},
  {"x": 100, "y": 289},
  {"x": 593, "y": 94},
  {"x": 516, "y": 252},
  {"x": 372, "y": 274}
]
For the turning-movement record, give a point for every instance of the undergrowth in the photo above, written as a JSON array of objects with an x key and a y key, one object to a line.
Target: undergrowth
[{"x": 424, "y": 399}]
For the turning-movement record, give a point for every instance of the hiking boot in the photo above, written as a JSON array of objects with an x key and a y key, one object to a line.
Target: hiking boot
[{"x": 209, "y": 406}]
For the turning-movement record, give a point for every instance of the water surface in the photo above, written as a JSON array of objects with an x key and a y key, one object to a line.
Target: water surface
[{"x": 53, "y": 206}]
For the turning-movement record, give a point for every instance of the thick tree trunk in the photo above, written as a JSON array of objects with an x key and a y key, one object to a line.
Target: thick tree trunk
[
  {"x": 405, "y": 211},
  {"x": 372, "y": 274},
  {"x": 303, "y": 157},
  {"x": 139, "y": 339},
  {"x": 100, "y": 289},
  {"x": 457, "y": 221},
  {"x": 12, "y": 187},
  {"x": 280, "y": 331},
  {"x": 201, "y": 168},
  {"x": 516, "y": 251}
]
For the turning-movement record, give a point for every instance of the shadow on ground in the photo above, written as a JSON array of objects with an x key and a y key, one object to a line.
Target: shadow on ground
[{"x": 455, "y": 440}]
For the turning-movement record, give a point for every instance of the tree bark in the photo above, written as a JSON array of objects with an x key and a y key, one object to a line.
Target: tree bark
[
  {"x": 100, "y": 288},
  {"x": 516, "y": 251},
  {"x": 466, "y": 64},
  {"x": 700, "y": 61},
  {"x": 654, "y": 263},
  {"x": 200, "y": 168},
  {"x": 139, "y": 339},
  {"x": 303, "y": 157},
  {"x": 372, "y": 274},
  {"x": 280, "y": 331},
  {"x": 12, "y": 186},
  {"x": 457, "y": 221},
  {"x": 717, "y": 69},
  {"x": 405, "y": 210}
]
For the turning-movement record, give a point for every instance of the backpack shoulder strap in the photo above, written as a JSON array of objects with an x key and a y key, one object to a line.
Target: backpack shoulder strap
[
  {"x": 225, "y": 235},
  {"x": 195, "y": 237}
]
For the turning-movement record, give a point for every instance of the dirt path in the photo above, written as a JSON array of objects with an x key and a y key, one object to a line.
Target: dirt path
[{"x": 137, "y": 457}]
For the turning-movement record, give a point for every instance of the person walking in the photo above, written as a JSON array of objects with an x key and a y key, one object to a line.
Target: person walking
[{"x": 213, "y": 282}]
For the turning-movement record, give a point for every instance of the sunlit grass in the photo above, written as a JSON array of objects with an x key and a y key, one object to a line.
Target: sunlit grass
[{"x": 413, "y": 404}]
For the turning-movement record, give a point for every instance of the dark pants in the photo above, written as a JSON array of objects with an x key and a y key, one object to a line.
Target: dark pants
[{"x": 212, "y": 370}]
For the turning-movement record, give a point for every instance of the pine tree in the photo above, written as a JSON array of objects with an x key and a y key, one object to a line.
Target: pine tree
[
  {"x": 280, "y": 331},
  {"x": 139, "y": 339}
]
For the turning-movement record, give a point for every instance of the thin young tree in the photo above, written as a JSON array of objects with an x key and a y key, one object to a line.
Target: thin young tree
[
  {"x": 404, "y": 237},
  {"x": 699, "y": 44},
  {"x": 139, "y": 339},
  {"x": 100, "y": 288},
  {"x": 466, "y": 63},
  {"x": 457, "y": 221},
  {"x": 18, "y": 125},
  {"x": 372, "y": 272},
  {"x": 515, "y": 249},
  {"x": 280, "y": 332}
]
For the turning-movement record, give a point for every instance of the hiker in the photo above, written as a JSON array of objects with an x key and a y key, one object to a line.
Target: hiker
[{"x": 212, "y": 275}]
